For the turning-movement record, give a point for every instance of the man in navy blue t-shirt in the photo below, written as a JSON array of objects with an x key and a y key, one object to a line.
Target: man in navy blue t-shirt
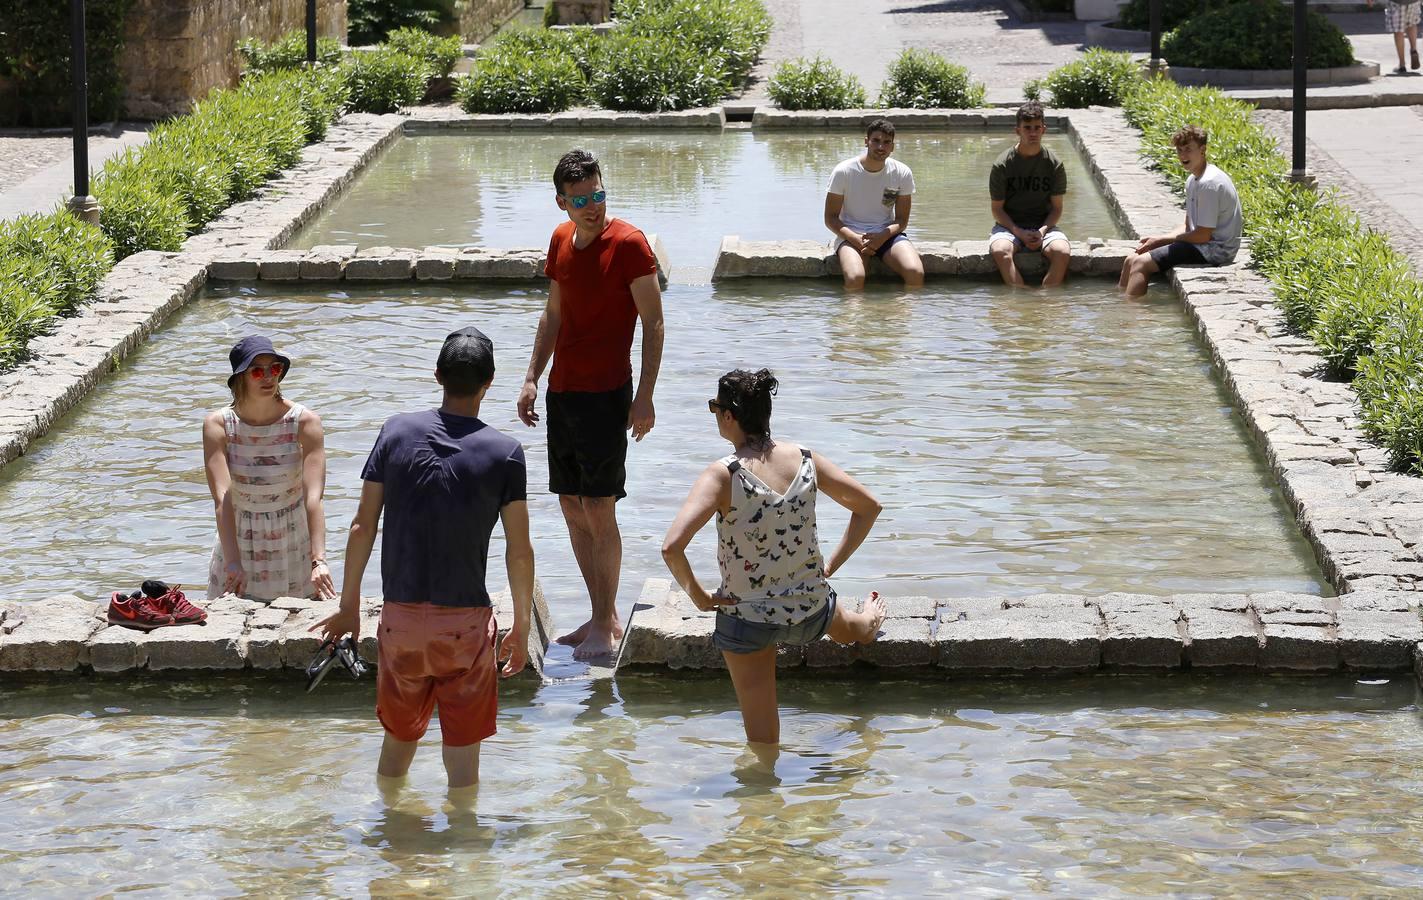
[{"x": 443, "y": 478}]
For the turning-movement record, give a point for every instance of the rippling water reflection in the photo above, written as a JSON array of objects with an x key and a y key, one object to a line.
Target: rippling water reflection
[
  {"x": 1113, "y": 787},
  {"x": 1020, "y": 443},
  {"x": 689, "y": 187}
]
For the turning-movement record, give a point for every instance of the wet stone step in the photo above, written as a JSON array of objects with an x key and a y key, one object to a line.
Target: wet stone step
[
  {"x": 69, "y": 633},
  {"x": 1054, "y": 634}
]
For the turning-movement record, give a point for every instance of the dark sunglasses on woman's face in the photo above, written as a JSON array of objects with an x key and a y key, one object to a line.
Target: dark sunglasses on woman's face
[
  {"x": 715, "y": 407},
  {"x": 578, "y": 201},
  {"x": 260, "y": 372}
]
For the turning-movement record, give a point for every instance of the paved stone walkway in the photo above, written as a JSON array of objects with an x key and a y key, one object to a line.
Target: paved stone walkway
[
  {"x": 37, "y": 170},
  {"x": 1374, "y": 159}
]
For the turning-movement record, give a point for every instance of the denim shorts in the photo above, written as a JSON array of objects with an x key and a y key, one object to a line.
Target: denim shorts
[
  {"x": 1000, "y": 233},
  {"x": 737, "y": 635}
]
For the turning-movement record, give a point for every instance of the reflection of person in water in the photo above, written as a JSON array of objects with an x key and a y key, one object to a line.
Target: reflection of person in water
[{"x": 774, "y": 585}]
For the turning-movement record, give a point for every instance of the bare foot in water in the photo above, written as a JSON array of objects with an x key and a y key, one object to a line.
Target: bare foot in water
[
  {"x": 576, "y": 636},
  {"x": 599, "y": 640}
]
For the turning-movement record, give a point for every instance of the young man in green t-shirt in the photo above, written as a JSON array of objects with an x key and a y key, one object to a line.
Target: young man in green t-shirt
[{"x": 1026, "y": 186}]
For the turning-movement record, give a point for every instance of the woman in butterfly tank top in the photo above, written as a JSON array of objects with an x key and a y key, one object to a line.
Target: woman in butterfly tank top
[
  {"x": 265, "y": 460},
  {"x": 774, "y": 582}
]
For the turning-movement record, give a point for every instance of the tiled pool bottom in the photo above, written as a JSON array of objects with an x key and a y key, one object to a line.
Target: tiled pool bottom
[
  {"x": 1020, "y": 442},
  {"x": 688, "y": 187},
  {"x": 1118, "y": 787}
]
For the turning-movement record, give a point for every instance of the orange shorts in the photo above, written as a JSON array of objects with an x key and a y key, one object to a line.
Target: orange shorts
[{"x": 432, "y": 655}]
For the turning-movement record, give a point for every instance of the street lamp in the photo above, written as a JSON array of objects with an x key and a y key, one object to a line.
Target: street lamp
[
  {"x": 1299, "y": 104},
  {"x": 311, "y": 32},
  {"x": 84, "y": 206}
]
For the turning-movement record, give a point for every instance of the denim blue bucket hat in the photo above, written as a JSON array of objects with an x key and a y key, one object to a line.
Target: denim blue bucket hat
[{"x": 248, "y": 349}]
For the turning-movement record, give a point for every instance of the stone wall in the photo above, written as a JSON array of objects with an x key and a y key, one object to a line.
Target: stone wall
[
  {"x": 176, "y": 51},
  {"x": 479, "y": 18}
]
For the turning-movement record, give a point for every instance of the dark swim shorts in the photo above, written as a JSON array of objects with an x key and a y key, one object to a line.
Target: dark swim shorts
[{"x": 588, "y": 442}]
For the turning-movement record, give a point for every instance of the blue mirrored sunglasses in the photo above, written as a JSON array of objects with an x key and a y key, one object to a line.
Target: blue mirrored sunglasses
[{"x": 578, "y": 201}]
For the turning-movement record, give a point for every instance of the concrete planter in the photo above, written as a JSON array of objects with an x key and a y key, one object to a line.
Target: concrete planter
[
  {"x": 1100, "y": 34},
  {"x": 1359, "y": 73},
  {"x": 1097, "y": 10}
]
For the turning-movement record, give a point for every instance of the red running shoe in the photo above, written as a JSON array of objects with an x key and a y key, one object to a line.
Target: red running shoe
[
  {"x": 137, "y": 611},
  {"x": 170, "y": 600}
]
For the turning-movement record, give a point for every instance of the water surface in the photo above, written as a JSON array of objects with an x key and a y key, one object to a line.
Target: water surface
[
  {"x": 689, "y": 187},
  {"x": 1020, "y": 442},
  {"x": 1113, "y": 787}
]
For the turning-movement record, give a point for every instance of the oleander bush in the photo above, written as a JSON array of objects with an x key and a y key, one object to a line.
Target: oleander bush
[
  {"x": 1099, "y": 78},
  {"x": 1136, "y": 14},
  {"x": 815, "y": 84},
  {"x": 1254, "y": 34},
  {"x": 507, "y": 80},
  {"x": 1336, "y": 281},
  {"x": 644, "y": 74},
  {"x": 385, "y": 80},
  {"x": 919, "y": 79},
  {"x": 152, "y": 197},
  {"x": 287, "y": 52},
  {"x": 439, "y": 53},
  {"x": 729, "y": 34}
]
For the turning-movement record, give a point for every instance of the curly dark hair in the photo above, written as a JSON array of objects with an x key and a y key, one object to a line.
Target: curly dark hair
[
  {"x": 573, "y": 167},
  {"x": 747, "y": 396}
]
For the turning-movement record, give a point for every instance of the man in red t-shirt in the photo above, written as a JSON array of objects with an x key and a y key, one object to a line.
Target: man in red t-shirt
[{"x": 603, "y": 278}]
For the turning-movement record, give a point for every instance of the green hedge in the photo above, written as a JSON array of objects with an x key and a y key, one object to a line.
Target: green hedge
[
  {"x": 1255, "y": 34},
  {"x": 34, "y": 53},
  {"x": 919, "y": 79},
  {"x": 1099, "y": 78},
  {"x": 49, "y": 265},
  {"x": 152, "y": 197},
  {"x": 1336, "y": 281},
  {"x": 287, "y": 52},
  {"x": 815, "y": 84},
  {"x": 664, "y": 55},
  {"x": 372, "y": 21}
]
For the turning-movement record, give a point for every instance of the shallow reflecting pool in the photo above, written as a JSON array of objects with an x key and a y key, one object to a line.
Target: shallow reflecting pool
[
  {"x": 1110, "y": 788},
  {"x": 689, "y": 187},
  {"x": 1020, "y": 443}
]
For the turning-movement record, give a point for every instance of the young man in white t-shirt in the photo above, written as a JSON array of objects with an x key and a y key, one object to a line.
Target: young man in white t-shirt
[
  {"x": 867, "y": 208},
  {"x": 1214, "y": 222}
]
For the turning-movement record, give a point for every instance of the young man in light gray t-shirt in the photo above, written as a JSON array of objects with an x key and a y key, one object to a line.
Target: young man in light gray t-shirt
[
  {"x": 867, "y": 207},
  {"x": 1214, "y": 223}
]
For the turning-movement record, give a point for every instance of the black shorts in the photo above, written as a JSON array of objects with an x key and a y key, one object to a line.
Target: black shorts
[
  {"x": 1178, "y": 253},
  {"x": 588, "y": 442}
]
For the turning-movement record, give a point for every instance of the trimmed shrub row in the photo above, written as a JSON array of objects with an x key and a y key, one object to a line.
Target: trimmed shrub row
[
  {"x": 154, "y": 196},
  {"x": 665, "y": 55},
  {"x": 1336, "y": 281},
  {"x": 1099, "y": 78}
]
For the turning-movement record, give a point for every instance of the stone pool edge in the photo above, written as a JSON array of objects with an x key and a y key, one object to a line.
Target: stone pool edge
[
  {"x": 68, "y": 633},
  {"x": 1365, "y": 523},
  {"x": 1069, "y": 634}
]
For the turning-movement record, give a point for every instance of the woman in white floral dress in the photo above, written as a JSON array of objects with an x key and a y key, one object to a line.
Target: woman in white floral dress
[
  {"x": 265, "y": 459},
  {"x": 774, "y": 586}
]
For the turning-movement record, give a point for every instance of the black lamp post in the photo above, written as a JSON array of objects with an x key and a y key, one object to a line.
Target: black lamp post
[
  {"x": 1299, "y": 103},
  {"x": 1157, "y": 65},
  {"x": 81, "y": 204},
  {"x": 311, "y": 32}
]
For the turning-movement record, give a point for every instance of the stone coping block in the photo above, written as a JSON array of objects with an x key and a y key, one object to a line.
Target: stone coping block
[
  {"x": 814, "y": 259},
  {"x": 1359, "y": 73},
  {"x": 392, "y": 264},
  {"x": 1056, "y": 634},
  {"x": 446, "y": 118},
  {"x": 911, "y": 119},
  {"x": 69, "y": 633}
]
